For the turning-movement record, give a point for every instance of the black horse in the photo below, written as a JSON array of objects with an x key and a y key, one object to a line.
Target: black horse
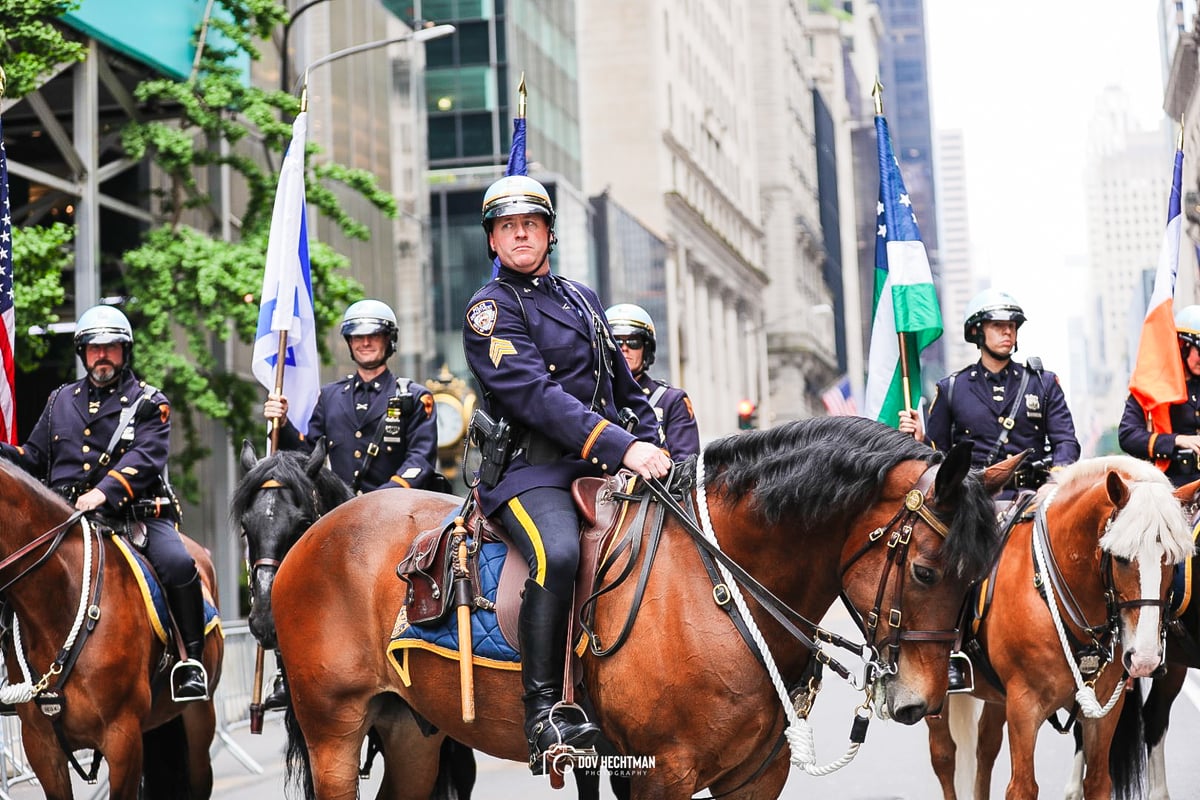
[{"x": 276, "y": 501}]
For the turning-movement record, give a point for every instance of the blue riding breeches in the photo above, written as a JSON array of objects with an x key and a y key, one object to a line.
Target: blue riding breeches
[
  {"x": 166, "y": 553},
  {"x": 544, "y": 525}
]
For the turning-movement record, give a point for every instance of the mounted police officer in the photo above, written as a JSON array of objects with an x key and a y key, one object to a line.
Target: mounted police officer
[
  {"x": 633, "y": 329},
  {"x": 102, "y": 443},
  {"x": 1180, "y": 447},
  {"x": 544, "y": 356},
  {"x": 1001, "y": 406},
  {"x": 380, "y": 430}
]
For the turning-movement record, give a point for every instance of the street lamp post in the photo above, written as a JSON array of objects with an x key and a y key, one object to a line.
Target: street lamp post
[
  {"x": 420, "y": 35},
  {"x": 284, "y": 59}
]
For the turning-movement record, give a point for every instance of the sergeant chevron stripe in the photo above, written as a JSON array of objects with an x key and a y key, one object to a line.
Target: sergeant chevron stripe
[{"x": 499, "y": 349}]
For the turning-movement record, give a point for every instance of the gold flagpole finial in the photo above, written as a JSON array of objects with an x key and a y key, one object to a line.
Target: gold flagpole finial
[
  {"x": 3, "y": 81},
  {"x": 877, "y": 93},
  {"x": 1178, "y": 146},
  {"x": 521, "y": 95},
  {"x": 304, "y": 94}
]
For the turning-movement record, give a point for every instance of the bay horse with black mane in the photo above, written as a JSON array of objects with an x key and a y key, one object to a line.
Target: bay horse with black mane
[
  {"x": 812, "y": 510},
  {"x": 92, "y": 657},
  {"x": 1071, "y": 612}
]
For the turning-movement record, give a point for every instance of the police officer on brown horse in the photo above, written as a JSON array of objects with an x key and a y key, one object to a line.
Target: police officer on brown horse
[
  {"x": 545, "y": 358},
  {"x": 102, "y": 443}
]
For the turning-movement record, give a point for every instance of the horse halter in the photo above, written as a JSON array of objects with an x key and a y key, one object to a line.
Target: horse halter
[
  {"x": 898, "y": 533},
  {"x": 272, "y": 483}
]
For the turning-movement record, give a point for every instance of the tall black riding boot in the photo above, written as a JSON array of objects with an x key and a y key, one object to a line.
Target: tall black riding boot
[
  {"x": 189, "y": 681},
  {"x": 279, "y": 697},
  {"x": 542, "y": 627}
]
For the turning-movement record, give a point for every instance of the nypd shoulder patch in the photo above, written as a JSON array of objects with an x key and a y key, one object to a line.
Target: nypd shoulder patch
[{"x": 482, "y": 317}]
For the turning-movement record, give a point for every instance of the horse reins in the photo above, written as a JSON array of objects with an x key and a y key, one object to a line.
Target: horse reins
[
  {"x": 900, "y": 527},
  {"x": 57, "y": 533}
]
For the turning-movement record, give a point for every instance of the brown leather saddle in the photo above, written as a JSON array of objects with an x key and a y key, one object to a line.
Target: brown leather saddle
[{"x": 429, "y": 566}]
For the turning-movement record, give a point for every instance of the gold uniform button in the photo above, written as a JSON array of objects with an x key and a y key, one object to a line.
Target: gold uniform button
[
  {"x": 358, "y": 434},
  {"x": 595, "y": 460},
  {"x": 86, "y": 432},
  {"x": 87, "y": 467},
  {"x": 551, "y": 367},
  {"x": 86, "y": 449},
  {"x": 358, "y": 454},
  {"x": 604, "y": 467},
  {"x": 603, "y": 401}
]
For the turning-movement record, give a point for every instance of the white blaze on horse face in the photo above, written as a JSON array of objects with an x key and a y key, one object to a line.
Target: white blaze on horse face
[{"x": 1147, "y": 640}]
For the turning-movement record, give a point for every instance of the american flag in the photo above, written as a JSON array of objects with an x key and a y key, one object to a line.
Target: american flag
[
  {"x": 8, "y": 405},
  {"x": 839, "y": 399}
]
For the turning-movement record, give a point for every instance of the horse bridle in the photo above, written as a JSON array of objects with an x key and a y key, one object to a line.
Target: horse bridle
[
  {"x": 271, "y": 483},
  {"x": 900, "y": 528},
  {"x": 1113, "y": 606}
]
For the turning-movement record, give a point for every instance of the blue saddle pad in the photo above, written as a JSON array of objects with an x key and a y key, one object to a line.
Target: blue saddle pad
[
  {"x": 154, "y": 596},
  {"x": 489, "y": 646}
]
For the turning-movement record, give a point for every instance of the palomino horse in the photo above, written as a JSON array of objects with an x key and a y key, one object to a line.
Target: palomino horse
[
  {"x": 1102, "y": 542},
  {"x": 811, "y": 509},
  {"x": 107, "y": 675}
]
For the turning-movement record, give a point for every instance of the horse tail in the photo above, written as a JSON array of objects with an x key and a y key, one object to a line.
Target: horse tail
[
  {"x": 165, "y": 771},
  {"x": 1127, "y": 751},
  {"x": 456, "y": 772},
  {"x": 299, "y": 770},
  {"x": 962, "y": 716}
]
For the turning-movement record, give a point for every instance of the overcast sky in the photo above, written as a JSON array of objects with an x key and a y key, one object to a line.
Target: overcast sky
[{"x": 1020, "y": 79}]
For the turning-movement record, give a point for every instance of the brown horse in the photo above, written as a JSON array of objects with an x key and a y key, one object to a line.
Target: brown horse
[
  {"x": 111, "y": 684},
  {"x": 1104, "y": 540},
  {"x": 811, "y": 509}
]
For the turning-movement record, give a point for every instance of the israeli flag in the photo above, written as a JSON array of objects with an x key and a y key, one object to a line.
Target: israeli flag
[{"x": 287, "y": 303}]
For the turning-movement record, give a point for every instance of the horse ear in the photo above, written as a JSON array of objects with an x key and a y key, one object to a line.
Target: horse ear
[
  {"x": 1189, "y": 493},
  {"x": 1000, "y": 473},
  {"x": 316, "y": 459},
  {"x": 1118, "y": 492},
  {"x": 952, "y": 472},
  {"x": 249, "y": 457}
]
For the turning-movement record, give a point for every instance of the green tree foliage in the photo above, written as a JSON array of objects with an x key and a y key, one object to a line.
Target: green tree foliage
[
  {"x": 30, "y": 46},
  {"x": 187, "y": 287},
  {"x": 43, "y": 255}
]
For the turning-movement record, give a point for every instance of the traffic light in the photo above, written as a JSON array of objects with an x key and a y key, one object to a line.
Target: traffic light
[{"x": 746, "y": 415}]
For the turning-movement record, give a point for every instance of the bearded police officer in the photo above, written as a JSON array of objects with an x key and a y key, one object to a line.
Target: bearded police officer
[
  {"x": 544, "y": 356},
  {"x": 102, "y": 443},
  {"x": 1178, "y": 449},
  {"x": 634, "y": 331},
  {"x": 380, "y": 430}
]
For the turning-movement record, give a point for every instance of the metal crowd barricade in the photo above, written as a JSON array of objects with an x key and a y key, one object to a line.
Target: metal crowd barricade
[{"x": 232, "y": 703}]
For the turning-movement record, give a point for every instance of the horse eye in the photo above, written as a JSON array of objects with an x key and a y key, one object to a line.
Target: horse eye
[
  {"x": 1124, "y": 562},
  {"x": 925, "y": 575}
]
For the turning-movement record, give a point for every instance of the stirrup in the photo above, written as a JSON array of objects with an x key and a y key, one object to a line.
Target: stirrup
[
  {"x": 963, "y": 670},
  {"x": 190, "y": 663}
]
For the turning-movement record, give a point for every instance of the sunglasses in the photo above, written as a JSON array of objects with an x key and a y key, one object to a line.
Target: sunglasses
[{"x": 633, "y": 344}]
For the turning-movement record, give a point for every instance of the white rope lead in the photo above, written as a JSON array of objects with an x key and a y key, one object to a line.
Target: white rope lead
[
  {"x": 1084, "y": 695},
  {"x": 13, "y": 693},
  {"x": 799, "y": 732}
]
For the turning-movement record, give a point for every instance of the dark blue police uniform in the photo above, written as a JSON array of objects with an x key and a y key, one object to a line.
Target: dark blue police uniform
[
  {"x": 676, "y": 417},
  {"x": 349, "y": 413},
  {"x": 979, "y": 402},
  {"x": 546, "y": 361},
  {"x": 72, "y": 435},
  {"x": 1139, "y": 442}
]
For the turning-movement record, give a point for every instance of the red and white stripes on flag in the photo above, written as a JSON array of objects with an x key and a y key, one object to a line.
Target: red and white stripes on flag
[
  {"x": 8, "y": 404},
  {"x": 839, "y": 399}
]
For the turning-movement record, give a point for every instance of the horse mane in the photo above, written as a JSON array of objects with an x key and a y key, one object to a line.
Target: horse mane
[
  {"x": 1152, "y": 518},
  {"x": 288, "y": 467},
  {"x": 35, "y": 487},
  {"x": 816, "y": 472}
]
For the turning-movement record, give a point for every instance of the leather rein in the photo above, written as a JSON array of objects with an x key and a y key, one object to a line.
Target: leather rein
[{"x": 900, "y": 526}]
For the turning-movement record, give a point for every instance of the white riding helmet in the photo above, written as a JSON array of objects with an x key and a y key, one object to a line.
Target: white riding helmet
[
  {"x": 370, "y": 316},
  {"x": 103, "y": 325},
  {"x": 1187, "y": 325},
  {"x": 990, "y": 305},
  {"x": 628, "y": 319}
]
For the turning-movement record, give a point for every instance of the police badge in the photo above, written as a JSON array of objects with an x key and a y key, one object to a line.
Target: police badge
[
  {"x": 482, "y": 317},
  {"x": 1033, "y": 405}
]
